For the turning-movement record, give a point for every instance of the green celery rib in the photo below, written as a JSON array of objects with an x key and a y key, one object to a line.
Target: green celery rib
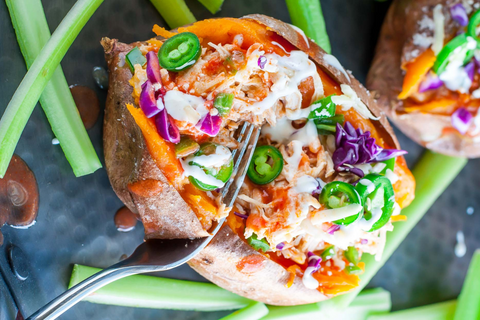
[
  {"x": 254, "y": 311},
  {"x": 433, "y": 173},
  {"x": 368, "y": 302},
  {"x": 175, "y": 12},
  {"x": 32, "y": 31},
  {"x": 308, "y": 16},
  {"x": 160, "y": 293},
  {"x": 212, "y": 5},
  {"x": 438, "y": 311},
  {"x": 469, "y": 299},
  {"x": 27, "y": 94}
]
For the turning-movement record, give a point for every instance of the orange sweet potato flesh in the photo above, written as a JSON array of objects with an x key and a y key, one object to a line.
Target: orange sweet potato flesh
[{"x": 416, "y": 71}]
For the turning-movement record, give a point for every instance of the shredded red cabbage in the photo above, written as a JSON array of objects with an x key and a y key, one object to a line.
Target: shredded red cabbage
[
  {"x": 431, "y": 81},
  {"x": 166, "y": 128},
  {"x": 470, "y": 70},
  {"x": 210, "y": 124},
  {"x": 153, "y": 68},
  {"x": 459, "y": 14},
  {"x": 241, "y": 215},
  {"x": 363, "y": 241},
  {"x": 147, "y": 101},
  {"x": 262, "y": 61},
  {"x": 356, "y": 147},
  {"x": 333, "y": 229},
  {"x": 314, "y": 261},
  {"x": 280, "y": 246},
  {"x": 461, "y": 120}
]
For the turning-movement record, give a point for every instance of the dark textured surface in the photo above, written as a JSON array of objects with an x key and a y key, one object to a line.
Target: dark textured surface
[{"x": 75, "y": 222}]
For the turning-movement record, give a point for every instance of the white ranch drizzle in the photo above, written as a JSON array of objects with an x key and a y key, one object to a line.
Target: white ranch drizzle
[
  {"x": 335, "y": 214},
  {"x": 184, "y": 107},
  {"x": 283, "y": 132},
  {"x": 300, "y": 31},
  {"x": 349, "y": 99},
  {"x": 306, "y": 184},
  {"x": 333, "y": 61}
]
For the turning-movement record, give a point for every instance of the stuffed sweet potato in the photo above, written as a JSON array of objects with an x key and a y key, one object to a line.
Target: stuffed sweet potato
[
  {"x": 425, "y": 73},
  {"x": 327, "y": 178}
]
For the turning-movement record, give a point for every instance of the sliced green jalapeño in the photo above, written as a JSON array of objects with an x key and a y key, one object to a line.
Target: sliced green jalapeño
[
  {"x": 331, "y": 197},
  {"x": 266, "y": 165},
  {"x": 223, "y": 173},
  {"x": 179, "y": 52},
  {"x": 370, "y": 186}
]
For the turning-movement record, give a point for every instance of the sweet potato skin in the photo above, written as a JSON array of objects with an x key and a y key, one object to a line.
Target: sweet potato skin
[
  {"x": 221, "y": 261},
  {"x": 394, "y": 50}
]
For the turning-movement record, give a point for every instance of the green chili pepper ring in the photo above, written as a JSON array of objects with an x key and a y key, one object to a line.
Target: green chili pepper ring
[
  {"x": 223, "y": 174},
  {"x": 266, "y": 165},
  {"x": 473, "y": 24},
  {"x": 179, "y": 52},
  {"x": 337, "y": 187},
  {"x": 389, "y": 197}
]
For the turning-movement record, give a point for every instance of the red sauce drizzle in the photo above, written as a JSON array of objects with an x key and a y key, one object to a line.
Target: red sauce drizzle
[
  {"x": 251, "y": 264},
  {"x": 125, "y": 220},
  {"x": 87, "y": 105}
]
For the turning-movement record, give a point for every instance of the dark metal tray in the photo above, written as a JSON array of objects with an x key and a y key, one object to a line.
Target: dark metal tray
[{"x": 75, "y": 222}]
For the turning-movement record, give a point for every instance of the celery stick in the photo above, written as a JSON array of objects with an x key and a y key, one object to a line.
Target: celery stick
[
  {"x": 212, "y": 5},
  {"x": 433, "y": 174},
  {"x": 254, "y": 311},
  {"x": 160, "y": 293},
  {"x": 437, "y": 311},
  {"x": 174, "y": 12},
  {"x": 32, "y": 31},
  {"x": 27, "y": 94},
  {"x": 368, "y": 302},
  {"x": 469, "y": 299},
  {"x": 308, "y": 16}
]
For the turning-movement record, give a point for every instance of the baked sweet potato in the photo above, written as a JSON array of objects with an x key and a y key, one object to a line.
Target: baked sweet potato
[
  {"x": 148, "y": 178},
  {"x": 435, "y": 112}
]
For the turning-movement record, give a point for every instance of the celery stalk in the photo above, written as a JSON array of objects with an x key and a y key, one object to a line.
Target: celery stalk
[
  {"x": 174, "y": 12},
  {"x": 469, "y": 299},
  {"x": 254, "y": 311},
  {"x": 27, "y": 94},
  {"x": 371, "y": 301},
  {"x": 32, "y": 32},
  {"x": 212, "y": 5},
  {"x": 433, "y": 174},
  {"x": 437, "y": 311},
  {"x": 160, "y": 293},
  {"x": 308, "y": 16}
]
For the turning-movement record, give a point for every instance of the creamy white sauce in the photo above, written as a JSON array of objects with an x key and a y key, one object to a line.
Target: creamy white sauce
[
  {"x": 283, "y": 132},
  {"x": 294, "y": 160},
  {"x": 391, "y": 176},
  {"x": 306, "y": 184},
  {"x": 185, "y": 107},
  {"x": 329, "y": 215},
  {"x": 369, "y": 184},
  {"x": 349, "y": 99},
  {"x": 308, "y": 280},
  {"x": 439, "y": 32},
  {"x": 279, "y": 45},
  {"x": 291, "y": 71},
  {"x": 333, "y": 61},
  {"x": 300, "y": 31},
  {"x": 221, "y": 156}
]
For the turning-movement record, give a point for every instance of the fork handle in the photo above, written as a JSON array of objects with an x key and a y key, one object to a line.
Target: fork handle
[{"x": 69, "y": 298}]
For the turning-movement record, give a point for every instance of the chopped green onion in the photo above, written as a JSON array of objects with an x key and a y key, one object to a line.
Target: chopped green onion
[
  {"x": 353, "y": 270},
  {"x": 437, "y": 311},
  {"x": 328, "y": 253},
  {"x": 212, "y": 5},
  {"x": 175, "y": 12},
  {"x": 329, "y": 125},
  {"x": 32, "y": 32},
  {"x": 254, "y": 311},
  {"x": 160, "y": 293},
  {"x": 26, "y": 96},
  {"x": 323, "y": 108},
  {"x": 223, "y": 103},
  {"x": 352, "y": 255},
  {"x": 433, "y": 173},
  {"x": 258, "y": 244},
  {"x": 134, "y": 57},
  {"x": 469, "y": 299},
  {"x": 308, "y": 16}
]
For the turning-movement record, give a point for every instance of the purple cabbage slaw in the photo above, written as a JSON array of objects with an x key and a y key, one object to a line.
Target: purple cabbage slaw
[
  {"x": 355, "y": 147},
  {"x": 461, "y": 120},
  {"x": 314, "y": 261},
  {"x": 459, "y": 14}
]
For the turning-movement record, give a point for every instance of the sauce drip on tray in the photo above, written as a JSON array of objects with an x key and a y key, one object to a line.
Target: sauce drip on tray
[
  {"x": 125, "y": 220},
  {"x": 18, "y": 196},
  {"x": 87, "y": 104}
]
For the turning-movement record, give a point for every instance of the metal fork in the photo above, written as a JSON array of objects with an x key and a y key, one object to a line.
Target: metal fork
[{"x": 155, "y": 254}]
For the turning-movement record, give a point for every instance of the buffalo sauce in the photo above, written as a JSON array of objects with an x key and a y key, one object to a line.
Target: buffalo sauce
[
  {"x": 87, "y": 105},
  {"x": 125, "y": 220},
  {"x": 18, "y": 195},
  {"x": 251, "y": 264}
]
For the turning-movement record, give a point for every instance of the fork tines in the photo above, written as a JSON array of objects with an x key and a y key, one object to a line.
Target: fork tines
[{"x": 247, "y": 137}]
